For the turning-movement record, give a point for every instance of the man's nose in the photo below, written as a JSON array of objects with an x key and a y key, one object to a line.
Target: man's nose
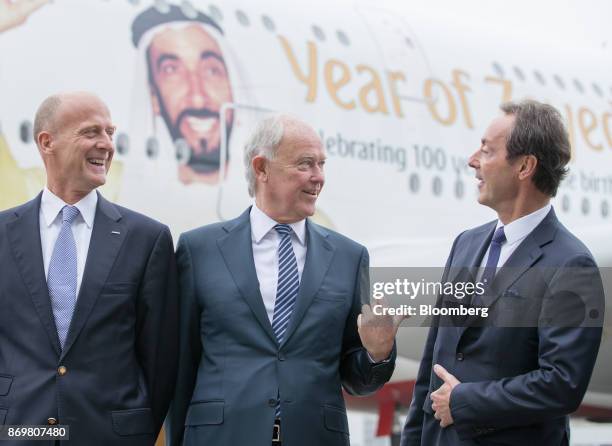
[
  {"x": 197, "y": 93},
  {"x": 473, "y": 161}
]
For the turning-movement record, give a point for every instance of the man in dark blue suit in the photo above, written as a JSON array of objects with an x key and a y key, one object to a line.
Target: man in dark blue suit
[
  {"x": 489, "y": 382},
  {"x": 271, "y": 328},
  {"x": 88, "y": 291}
]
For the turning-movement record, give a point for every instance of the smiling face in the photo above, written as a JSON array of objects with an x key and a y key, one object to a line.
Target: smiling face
[
  {"x": 78, "y": 149},
  {"x": 189, "y": 83},
  {"x": 290, "y": 186},
  {"x": 498, "y": 179}
]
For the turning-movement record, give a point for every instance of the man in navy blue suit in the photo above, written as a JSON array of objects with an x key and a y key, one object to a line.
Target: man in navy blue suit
[
  {"x": 271, "y": 328},
  {"x": 88, "y": 291},
  {"x": 491, "y": 382}
]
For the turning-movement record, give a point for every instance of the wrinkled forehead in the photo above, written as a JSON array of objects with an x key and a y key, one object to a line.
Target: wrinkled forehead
[
  {"x": 182, "y": 41},
  {"x": 83, "y": 110},
  {"x": 300, "y": 140}
]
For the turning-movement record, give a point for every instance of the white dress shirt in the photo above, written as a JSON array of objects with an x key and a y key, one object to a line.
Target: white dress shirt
[
  {"x": 50, "y": 218},
  {"x": 265, "y": 241},
  {"x": 515, "y": 233}
]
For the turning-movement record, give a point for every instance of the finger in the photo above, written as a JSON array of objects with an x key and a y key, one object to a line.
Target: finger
[
  {"x": 443, "y": 374},
  {"x": 437, "y": 416},
  {"x": 366, "y": 310},
  {"x": 359, "y": 322},
  {"x": 397, "y": 320}
]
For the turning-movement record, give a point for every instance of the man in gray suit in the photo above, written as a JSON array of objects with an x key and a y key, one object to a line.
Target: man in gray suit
[
  {"x": 270, "y": 311},
  {"x": 498, "y": 384}
]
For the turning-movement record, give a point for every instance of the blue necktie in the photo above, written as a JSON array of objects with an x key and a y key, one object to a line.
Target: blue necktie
[
  {"x": 287, "y": 288},
  {"x": 62, "y": 275},
  {"x": 494, "y": 250}
]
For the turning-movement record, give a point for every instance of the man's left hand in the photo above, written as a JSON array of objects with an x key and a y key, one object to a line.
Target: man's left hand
[
  {"x": 441, "y": 397},
  {"x": 377, "y": 332}
]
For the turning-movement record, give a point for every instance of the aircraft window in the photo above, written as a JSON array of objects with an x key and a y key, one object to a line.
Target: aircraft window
[
  {"x": 409, "y": 42},
  {"x": 123, "y": 143},
  {"x": 343, "y": 38},
  {"x": 459, "y": 189},
  {"x": 152, "y": 147},
  {"x": 565, "y": 203},
  {"x": 597, "y": 89},
  {"x": 498, "y": 69},
  {"x": 268, "y": 23},
  {"x": 605, "y": 210},
  {"x": 539, "y": 78},
  {"x": 578, "y": 86},
  {"x": 559, "y": 81},
  {"x": 182, "y": 151},
  {"x": 162, "y": 6},
  {"x": 242, "y": 18},
  {"x": 188, "y": 9},
  {"x": 414, "y": 183},
  {"x": 318, "y": 32},
  {"x": 25, "y": 131},
  {"x": 215, "y": 13},
  {"x": 586, "y": 206},
  {"x": 519, "y": 73},
  {"x": 436, "y": 186}
]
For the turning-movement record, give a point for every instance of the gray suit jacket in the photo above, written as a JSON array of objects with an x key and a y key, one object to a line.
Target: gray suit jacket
[
  {"x": 231, "y": 366},
  {"x": 120, "y": 353},
  {"x": 517, "y": 384}
]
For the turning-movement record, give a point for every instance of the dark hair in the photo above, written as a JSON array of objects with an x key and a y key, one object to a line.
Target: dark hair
[{"x": 539, "y": 131}]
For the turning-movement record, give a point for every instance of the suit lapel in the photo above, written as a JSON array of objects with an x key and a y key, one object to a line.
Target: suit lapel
[
  {"x": 237, "y": 251},
  {"x": 103, "y": 249},
  {"x": 319, "y": 253},
  {"x": 24, "y": 238}
]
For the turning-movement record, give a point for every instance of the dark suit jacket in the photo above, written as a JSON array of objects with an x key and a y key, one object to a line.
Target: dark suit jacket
[
  {"x": 121, "y": 349},
  {"x": 517, "y": 384},
  {"x": 231, "y": 366}
]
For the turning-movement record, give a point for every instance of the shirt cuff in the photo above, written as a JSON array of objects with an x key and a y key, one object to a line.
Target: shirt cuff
[{"x": 384, "y": 361}]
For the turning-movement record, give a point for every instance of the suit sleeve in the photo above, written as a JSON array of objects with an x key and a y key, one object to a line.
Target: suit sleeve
[
  {"x": 566, "y": 357},
  {"x": 190, "y": 348},
  {"x": 411, "y": 433},
  {"x": 157, "y": 325},
  {"x": 359, "y": 375}
]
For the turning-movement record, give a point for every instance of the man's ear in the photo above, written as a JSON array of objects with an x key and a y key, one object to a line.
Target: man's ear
[
  {"x": 260, "y": 167},
  {"x": 528, "y": 167},
  {"x": 44, "y": 140}
]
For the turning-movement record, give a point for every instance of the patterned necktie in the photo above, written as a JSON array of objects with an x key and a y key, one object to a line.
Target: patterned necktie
[
  {"x": 494, "y": 250},
  {"x": 287, "y": 288},
  {"x": 62, "y": 275}
]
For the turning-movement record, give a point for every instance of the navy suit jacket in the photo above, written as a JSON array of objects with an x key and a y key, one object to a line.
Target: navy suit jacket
[
  {"x": 231, "y": 366},
  {"x": 517, "y": 384},
  {"x": 120, "y": 353}
]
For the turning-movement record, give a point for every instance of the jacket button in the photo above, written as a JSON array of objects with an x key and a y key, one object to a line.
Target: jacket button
[
  {"x": 272, "y": 402},
  {"x": 51, "y": 421},
  {"x": 459, "y": 356},
  {"x": 61, "y": 370}
]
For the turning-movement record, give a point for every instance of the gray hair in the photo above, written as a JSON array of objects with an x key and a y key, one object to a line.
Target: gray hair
[
  {"x": 265, "y": 140},
  {"x": 45, "y": 115}
]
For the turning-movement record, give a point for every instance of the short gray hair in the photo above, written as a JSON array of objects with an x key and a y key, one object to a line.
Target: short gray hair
[
  {"x": 45, "y": 115},
  {"x": 265, "y": 140}
]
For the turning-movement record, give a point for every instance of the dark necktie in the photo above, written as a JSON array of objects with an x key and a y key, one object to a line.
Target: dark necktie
[{"x": 494, "y": 250}]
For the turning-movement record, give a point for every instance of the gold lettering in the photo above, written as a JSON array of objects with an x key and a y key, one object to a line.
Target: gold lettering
[
  {"x": 375, "y": 88},
  {"x": 506, "y": 87},
  {"x": 586, "y": 128},
  {"x": 571, "y": 130},
  {"x": 309, "y": 78},
  {"x": 333, "y": 84},
  {"x": 392, "y": 77},
  {"x": 607, "y": 125},
  {"x": 431, "y": 102},
  {"x": 461, "y": 89}
]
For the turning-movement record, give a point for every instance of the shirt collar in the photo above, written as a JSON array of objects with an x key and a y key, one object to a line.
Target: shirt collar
[
  {"x": 521, "y": 227},
  {"x": 51, "y": 205},
  {"x": 261, "y": 225}
]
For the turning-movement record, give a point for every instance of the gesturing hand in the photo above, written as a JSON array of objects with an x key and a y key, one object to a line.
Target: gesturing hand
[
  {"x": 15, "y": 12},
  {"x": 441, "y": 397},
  {"x": 377, "y": 332}
]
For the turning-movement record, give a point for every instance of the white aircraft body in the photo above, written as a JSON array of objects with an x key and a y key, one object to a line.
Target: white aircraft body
[{"x": 400, "y": 103}]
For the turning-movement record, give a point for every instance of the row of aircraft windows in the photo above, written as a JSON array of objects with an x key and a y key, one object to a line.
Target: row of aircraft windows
[
  {"x": 414, "y": 180},
  {"x": 558, "y": 80}
]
